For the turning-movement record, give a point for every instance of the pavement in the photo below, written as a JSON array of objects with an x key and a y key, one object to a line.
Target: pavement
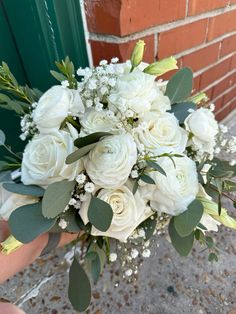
[{"x": 166, "y": 283}]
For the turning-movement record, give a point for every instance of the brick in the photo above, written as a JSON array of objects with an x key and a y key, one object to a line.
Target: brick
[
  {"x": 103, "y": 16},
  {"x": 209, "y": 93},
  {"x": 182, "y": 38},
  {"x": 228, "y": 45},
  {"x": 140, "y": 15},
  {"x": 214, "y": 73},
  {"x": 224, "y": 85},
  {"x": 200, "y": 6},
  {"x": 233, "y": 105},
  {"x": 220, "y": 115},
  {"x": 233, "y": 63},
  {"x": 124, "y": 17},
  {"x": 202, "y": 57},
  {"x": 104, "y": 50},
  {"x": 221, "y": 24},
  {"x": 196, "y": 84},
  {"x": 219, "y": 103},
  {"x": 230, "y": 95}
]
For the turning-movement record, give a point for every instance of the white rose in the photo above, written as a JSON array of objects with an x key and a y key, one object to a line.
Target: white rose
[
  {"x": 110, "y": 162},
  {"x": 128, "y": 212},
  {"x": 11, "y": 201},
  {"x": 162, "y": 133},
  {"x": 202, "y": 124},
  {"x": 174, "y": 192},
  {"x": 44, "y": 159},
  {"x": 97, "y": 121},
  {"x": 137, "y": 91},
  {"x": 54, "y": 106}
]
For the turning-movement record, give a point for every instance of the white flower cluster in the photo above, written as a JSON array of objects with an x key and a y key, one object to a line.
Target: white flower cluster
[
  {"x": 134, "y": 109},
  {"x": 28, "y": 126}
]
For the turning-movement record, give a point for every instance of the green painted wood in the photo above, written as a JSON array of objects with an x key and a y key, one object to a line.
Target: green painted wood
[
  {"x": 9, "y": 122},
  {"x": 45, "y": 31},
  {"x": 33, "y": 35}
]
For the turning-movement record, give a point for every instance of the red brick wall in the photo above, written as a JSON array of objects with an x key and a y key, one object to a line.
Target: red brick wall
[{"x": 201, "y": 34}]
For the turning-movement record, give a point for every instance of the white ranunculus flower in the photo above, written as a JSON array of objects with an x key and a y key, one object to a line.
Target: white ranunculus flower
[
  {"x": 202, "y": 124},
  {"x": 162, "y": 133},
  {"x": 139, "y": 92},
  {"x": 174, "y": 192},
  {"x": 55, "y": 105},
  {"x": 97, "y": 121},
  {"x": 44, "y": 159},
  {"x": 128, "y": 212},
  {"x": 109, "y": 163},
  {"x": 10, "y": 201}
]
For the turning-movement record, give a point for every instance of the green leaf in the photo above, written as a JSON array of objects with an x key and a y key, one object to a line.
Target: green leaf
[
  {"x": 149, "y": 226},
  {"x": 212, "y": 257},
  {"x": 188, "y": 220},
  {"x": 90, "y": 139},
  {"x": 5, "y": 176},
  {"x": 57, "y": 197},
  {"x": 183, "y": 245},
  {"x": 180, "y": 85},
  {"x": 73, "y": 219},
  {"x": 58, "y": 76},
  {"x": 100, "y": 214},
  {"x": 135, "y": 186},
  {"x": 2, "y": 138},
  {"x": 20, "y": 188},
  {"x": 27, "y": 222},
  {"x": 79, "y": 291},
  {"x": 79, "y": 153},
  {"x": 180, "y": 110},
  {"x": 155, "y": 166},
  {"x": 209, "y": 242},
  {"x": 93, "y": 264},
  {"x": 147, "y": 179},
  {"x": 229, "y": 186}
]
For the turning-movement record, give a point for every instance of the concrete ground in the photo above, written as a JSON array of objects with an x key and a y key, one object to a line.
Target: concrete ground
[{"x": 166, "y": 283}]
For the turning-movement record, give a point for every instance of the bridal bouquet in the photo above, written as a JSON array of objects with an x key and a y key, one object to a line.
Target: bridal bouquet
[{"x": 116, "y": 156}]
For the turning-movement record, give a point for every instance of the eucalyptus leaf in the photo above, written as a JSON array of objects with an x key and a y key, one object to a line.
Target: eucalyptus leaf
[
  {"x": 100, "y": 214},
  {"x": 212, "y": 257},
  {"x": 180, "y": 110},
  {"x": 135, "y": 186},
  {"x": 20, "y": 188},
  {"x": 145, "y": 178},
  {"x": 183, "y": 245},
  {"x": 73, "y": 220},
  {"x": 155, "y": 166},
  {"x": 56, "y": 198},
  {"x": 93, "y": 264},
  {"x": 90, "y": 139},
  {"x": 188, "y": 220},
  {"x": 2, "y": 138},
  {"x": 5, "y": 176},
  {"x": 27, "y": 222},
  {"x": 79, "y": 153},
  {"x": 180, "y": 85},
  {"x": 79, "y": 291}
]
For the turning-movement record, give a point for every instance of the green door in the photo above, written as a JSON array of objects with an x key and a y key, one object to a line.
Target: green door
[{"x": 33, "y": 35}]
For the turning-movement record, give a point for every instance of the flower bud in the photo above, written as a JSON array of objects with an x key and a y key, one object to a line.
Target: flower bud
[
  {"x": 10, "y": 245},
  {"x": 199, "y": 98},
  {"x": 137, "y": 54},
  {"x": 211, "y": 208},
  {"x": 161, "y": 67}
]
